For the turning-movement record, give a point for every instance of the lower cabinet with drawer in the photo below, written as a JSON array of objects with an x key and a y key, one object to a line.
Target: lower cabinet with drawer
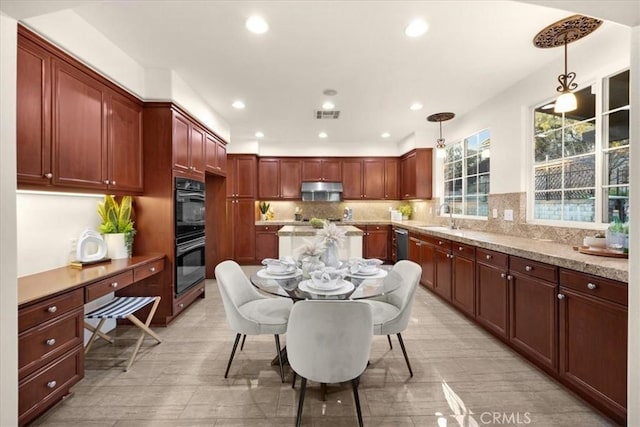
[
  {"x": 593, "y": 340},
  {"x": 50, "y": 352}
]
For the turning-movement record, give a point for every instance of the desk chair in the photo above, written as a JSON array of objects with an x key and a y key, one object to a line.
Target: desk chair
[
  {"x": 249, "y": 312},
  {"x": 123, "y": 308},
  {"x": 329, "y": 342},
  {"x": 391, "y": 312}
]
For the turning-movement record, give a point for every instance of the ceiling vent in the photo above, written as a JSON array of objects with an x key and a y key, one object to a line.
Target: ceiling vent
[{"x": 327, "y": 114}]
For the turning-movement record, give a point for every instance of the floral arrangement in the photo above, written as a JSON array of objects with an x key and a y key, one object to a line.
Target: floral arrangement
[
  {"x": 312, "y": 248},
  {"x": 331, "y": 234}
]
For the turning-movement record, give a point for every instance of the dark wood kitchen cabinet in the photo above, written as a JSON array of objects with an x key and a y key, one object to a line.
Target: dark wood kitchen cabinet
[
  {"x": 215, "y": 155},
  {"x": 593, "y": 340},
  {"x": 492, "y": 291},
  {"x": 241, "y": 212},
  {"x": 533, "y": 321},
  {"x": 279, "y": 178},
  {"x": 241, "y": 175},
  {"x": 370, "y": 178},
  {"x": 352, "y": 178},
  {"x": 266, "y": 242},
  {"x": 422, "y": 252},
  {"x": 75, "y": 129},
  {"x": 416, "y": 174},
  {"x": 188, "y": 147},
  {"x": 391, "y": 179},
  {"x": 322, "y": 169},
  {"x": 375, "y": 241},
  {"x": 443, "y": 265},
  {"x": 463, "y": 284}
]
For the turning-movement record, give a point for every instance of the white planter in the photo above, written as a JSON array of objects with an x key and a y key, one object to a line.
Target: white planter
[{"x": 116, "y": 247}]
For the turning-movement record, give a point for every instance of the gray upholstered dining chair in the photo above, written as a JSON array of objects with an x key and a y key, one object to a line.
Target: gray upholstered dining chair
[
  {"x": 391, "y": 312},
  {"x": 329, "y": 342},
  {"x": 249, "y": 312}
]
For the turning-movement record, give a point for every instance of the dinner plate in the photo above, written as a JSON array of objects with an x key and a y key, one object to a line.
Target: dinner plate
[
  {"x": 367, "y": 273},
  {"x": 264, "y": 274},
  {"x": 378, "y": 275},
  {"x": 307, "y": 286},
  {"x": 337, "y": 285}
]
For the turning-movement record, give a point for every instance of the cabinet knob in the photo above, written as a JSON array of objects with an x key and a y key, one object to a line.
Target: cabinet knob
[
  {"x": 460, "y": 248},
  {"x": 106, "y": 181},
  {"x": 503, "y": 275},
  {"x": 591, "y": 286},
  {"x": 181, "y": 305},
  {"x": 440, "y": 242},
  {"x": 266, "y": 228},
  {"x": 488, "y": 256},
  {"x": 528, "y": 268},
  {"x": 51, "y": 341},
  {"x": 560, "y": 296},
  {"x": 52, "y": 309},
  {"x": 48, "y": 175},
  {"x": 114, "y": 285},
  {"x": 52, "y": 384},
  {"x": 113, "y": 183},
  {"x": 509, "y": 277},
  {"x": 152, "y": 269}
]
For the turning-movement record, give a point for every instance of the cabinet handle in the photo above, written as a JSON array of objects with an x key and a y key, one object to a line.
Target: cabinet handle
[
  {"x": 48, "y": 175},
  {"x": 560, "y": 296},
  {"x": 51, "y": 341},
  {"x": 503, "y": 275},
  {"x": 488, "y": 256},
  {"x": 114, "y": 285},
  {"x": 591, "y": 286},
  {"x": 528, "y": 268},
  {"x": 152, "y": 269},
  {"x": 52, "y": 309},
  {"x": 52, "y": 384}
]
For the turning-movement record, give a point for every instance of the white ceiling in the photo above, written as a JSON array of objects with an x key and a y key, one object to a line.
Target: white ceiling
[{"x": 472, "y": 51}]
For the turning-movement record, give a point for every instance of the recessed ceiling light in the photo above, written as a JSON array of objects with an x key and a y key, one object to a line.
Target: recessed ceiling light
[
  {"x": 238, "y": 105},
  {"x": 257, "y": 25},
  {"x": 328, "y": 105},
  {"x": 385, "y": 135},
  {"x": 322, "y": 135},
  {"x": 416, "y": 28},
  {"x": 415, "y": 106},
  {"x": 259, "y": 134}
]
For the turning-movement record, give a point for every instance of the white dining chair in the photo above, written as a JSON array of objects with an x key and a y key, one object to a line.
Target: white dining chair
[
  {"x": 391, "y": 312},
  {"x": 249, "y": 312},
  {"x": 329, "y": 342}
]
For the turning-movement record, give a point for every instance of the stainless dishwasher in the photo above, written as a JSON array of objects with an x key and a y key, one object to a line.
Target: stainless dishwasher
[{"x": 402, "y": 243}]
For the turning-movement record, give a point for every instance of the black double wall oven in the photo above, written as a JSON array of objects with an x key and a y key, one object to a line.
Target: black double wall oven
[{"x": 190, "y": 238}]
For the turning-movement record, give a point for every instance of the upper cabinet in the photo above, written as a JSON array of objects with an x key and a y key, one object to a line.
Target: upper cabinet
[
  {"x": 279, "y": 178},
  {"x": 318, "y": 169},
  {"x": 370, "y": 179},
  {"x": 241, "y": 175},
  {"x": 188, "y": 147},
  {"x": 74, "y": 128},
  {"x": 216, "y": 155},
  {"x": 416, "y": 174}
]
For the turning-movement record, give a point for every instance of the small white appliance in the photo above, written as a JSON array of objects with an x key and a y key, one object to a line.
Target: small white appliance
[{"x": 91, "y": 246}]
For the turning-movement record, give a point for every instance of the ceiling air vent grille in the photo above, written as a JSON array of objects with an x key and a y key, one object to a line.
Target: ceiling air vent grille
[{"x": 327, "y": 114}]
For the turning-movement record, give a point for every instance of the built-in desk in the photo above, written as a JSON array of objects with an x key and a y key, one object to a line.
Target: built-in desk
[{"x": 50, "y": 325}]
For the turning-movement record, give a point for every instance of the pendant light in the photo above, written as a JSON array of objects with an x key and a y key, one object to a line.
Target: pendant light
[
  {"x": 440, "y": 143},
  {"x": 562, "y": 33}
]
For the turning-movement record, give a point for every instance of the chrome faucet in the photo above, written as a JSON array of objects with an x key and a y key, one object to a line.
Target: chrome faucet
[{"x": 452, "y": 224}]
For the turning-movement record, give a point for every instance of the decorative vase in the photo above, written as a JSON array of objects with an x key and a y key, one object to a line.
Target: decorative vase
[
  {"x": 263, "y": 216},
  {"x": 310, "y": 264},
  {"x": 116, "y": 245},
  {"x": 331, "y": 257}
]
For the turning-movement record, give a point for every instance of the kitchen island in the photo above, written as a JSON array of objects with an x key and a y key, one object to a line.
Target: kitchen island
[{"x": 292, "y": 237}]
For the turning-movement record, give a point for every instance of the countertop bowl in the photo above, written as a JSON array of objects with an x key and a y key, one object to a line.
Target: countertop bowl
[{"x": 595, "y": 242}]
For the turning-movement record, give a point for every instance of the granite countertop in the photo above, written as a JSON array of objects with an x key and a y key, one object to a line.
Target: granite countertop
[
  {"x": 342, "y": 222},
  {"x": 307, "y": 230},
  {"x": 545, "y": 251}
]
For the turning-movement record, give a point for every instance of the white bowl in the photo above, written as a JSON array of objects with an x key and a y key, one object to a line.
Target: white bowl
[
  {"x": 595, "y": 242},
  {"x": 327, "y": 278}
]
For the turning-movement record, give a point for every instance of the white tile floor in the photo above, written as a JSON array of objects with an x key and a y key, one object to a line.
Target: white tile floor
[{"x": 462, "y": 377}]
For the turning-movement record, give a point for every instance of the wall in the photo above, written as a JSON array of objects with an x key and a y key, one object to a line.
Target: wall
[
  {"x": 8, "y": 236},
  {"x": 46, "y": 225}
]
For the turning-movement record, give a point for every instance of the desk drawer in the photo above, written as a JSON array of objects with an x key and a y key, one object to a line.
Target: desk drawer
[
  {"x": 40, "y": 345},
  {"x": 493, "y": 258},
  {"x": 49, "y": 309},
  {"x": 536, "y": 269},
  {"x": 596, "y": 286},
  {"x": 111, "y": 284},
  {"x": 45, "y": 387},
  {"x": 147, "y": 270}
]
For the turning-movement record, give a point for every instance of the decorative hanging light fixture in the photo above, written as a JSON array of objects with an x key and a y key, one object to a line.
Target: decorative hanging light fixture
[
  {"x": 561, "y": 33},
  {"x": 440, "y": 117}
]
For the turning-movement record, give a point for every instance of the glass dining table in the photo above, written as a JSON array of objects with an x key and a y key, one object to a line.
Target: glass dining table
[{"x": 353, "y": 286}]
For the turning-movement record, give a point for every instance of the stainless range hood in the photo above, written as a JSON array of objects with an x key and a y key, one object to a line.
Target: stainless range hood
[{"x": 321, "y": 191}]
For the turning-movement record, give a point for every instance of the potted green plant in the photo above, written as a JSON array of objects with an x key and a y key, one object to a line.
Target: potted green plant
[
  {"x": 117, "y": 225},
  {"x": 406, "y": 211},
  {"x": 264, "y": 208}
]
